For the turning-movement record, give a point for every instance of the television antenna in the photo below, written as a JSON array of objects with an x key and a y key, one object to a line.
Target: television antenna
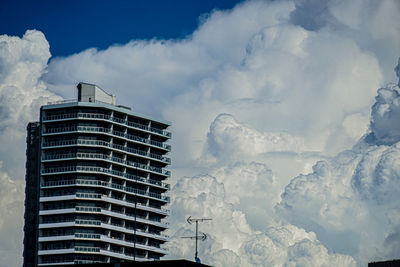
[{"x": 197, "y": 237}]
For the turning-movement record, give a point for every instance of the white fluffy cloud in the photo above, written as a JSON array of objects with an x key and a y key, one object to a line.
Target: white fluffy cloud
[
  {"x": 22, "y": 63},
  {"x": 355, "y": 195},
  {"x": 385, "y": 113},
  {"x": 11, "y": 223},
  {"x": 232, "y": 241},
  {"x": 251, "y": 62},
  {"x": 257, "y": 95},
  {"x": 229, "y": 140},
  {"x": 290, "y": 246},
  {"x": 351, "y": 202},
  {"x": 348, "y": 203}
]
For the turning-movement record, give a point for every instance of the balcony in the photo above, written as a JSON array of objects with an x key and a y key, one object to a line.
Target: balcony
[
  {"x": 56, "y": 262},
  {"x": 87, "y": 249},
  {"x": 103, "y": 197},
  {"x": 129, "y": 243},
  {"x": 57, "y": 211},
  {"x": 93, "y": 250},
  {"x": 96, "y": 156},
  {"x": 131, "y": 230},
  {"x": 104, "y": 117},
  {"x": 66, "y": 223},
  {"x": 56, "y": 251},
  {"x": 100, "y": 130},
  {"x": 70, "y": 197},
  {"x": 117, "y": 174},
  {"x": 111, "y": 213},
  {"x": 136, "y": 152},
  {"x": 104, "y": 238},
  {"x": 120, "y": 188},
  {"x": 103, "y": 225},
  {"x": 88, "y": 209},
  {"x": 131, "y": 217},
  {"x": 94, "y": 196}
]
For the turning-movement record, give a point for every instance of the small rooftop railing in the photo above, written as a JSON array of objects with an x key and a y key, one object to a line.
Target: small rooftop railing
[{"x": 62, "y": 101}]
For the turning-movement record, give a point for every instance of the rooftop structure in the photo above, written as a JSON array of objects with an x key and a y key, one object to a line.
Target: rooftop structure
[{"x": 95, "y": 183}]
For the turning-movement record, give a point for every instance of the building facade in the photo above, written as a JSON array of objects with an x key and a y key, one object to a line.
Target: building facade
[{"x": 95, "y": 183}]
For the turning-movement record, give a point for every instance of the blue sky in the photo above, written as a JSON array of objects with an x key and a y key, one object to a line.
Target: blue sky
[
  {"x": 284, "y": 117},
  {"x": 72, "y": 26}
]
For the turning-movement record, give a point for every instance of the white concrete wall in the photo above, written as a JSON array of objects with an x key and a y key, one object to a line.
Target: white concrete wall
[{"x": 92, "y": 93}]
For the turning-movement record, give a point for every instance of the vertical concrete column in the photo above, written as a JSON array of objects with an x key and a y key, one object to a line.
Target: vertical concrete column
[
  {"x": 111, "y": 114},
  {"x": 125, "y": 122}
]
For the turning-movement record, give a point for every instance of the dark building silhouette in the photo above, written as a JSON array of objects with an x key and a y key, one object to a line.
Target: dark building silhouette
[
  {"x": 391, "y": 263},
  {"x": 32, "y": 194}
]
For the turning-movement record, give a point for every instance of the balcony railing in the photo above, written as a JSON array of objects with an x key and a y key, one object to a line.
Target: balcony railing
[
  {"x": 115, "y": 186},
  {"x": 49, "y": 184},
  {"x": 52, "y": 220},
  {"x": 65, "y": 250},
  {"x": 127, "y": 229},
  {"x": 105, "y": 225},
  {"x": 87, "y": 222},
  {"x": 109, "y": 118},
  {"x": 87, "y": 249},
  {"x": 90, "y": 236},
  {"x": 108, "y": 145},
  {"x": 62, "y": 101},
  {"x": 88, "y": 195},
  {"x": 72, "y": 129},
  {"x": 90, "y": 209},
  {"x": 80, "y": 155},
  {"x": 55, "y": 170}
]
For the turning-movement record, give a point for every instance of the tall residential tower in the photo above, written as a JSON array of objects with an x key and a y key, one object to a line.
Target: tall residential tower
[{"x": 95, "y": 183}]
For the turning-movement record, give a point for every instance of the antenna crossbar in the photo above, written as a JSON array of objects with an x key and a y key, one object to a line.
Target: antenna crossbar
[{"x": 197, "y": 237}]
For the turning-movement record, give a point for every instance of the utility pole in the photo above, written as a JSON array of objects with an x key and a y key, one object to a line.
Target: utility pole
[{"x": 203, "y": 237}]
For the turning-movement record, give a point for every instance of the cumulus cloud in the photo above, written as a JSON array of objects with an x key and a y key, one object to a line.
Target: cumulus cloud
[
  {"x": 351, "y": 202},
  {"x": 347, "y": 203},
  {"x": 232, "y": 241},
  {"x": 290, "y": 246},
  {"x": 251, "y": 62},
  {"x": 229, "y": 140},
  {"x": 22, "y": 63},
  {"x": 11, "y": 223},
  {"x": 372, "y": 25},
  {"x": 385, "y": 128},
  {"x": 355, "y": 195}
]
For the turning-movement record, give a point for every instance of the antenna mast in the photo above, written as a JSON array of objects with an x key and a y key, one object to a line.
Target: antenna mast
[{"x": 203, "y": 237}]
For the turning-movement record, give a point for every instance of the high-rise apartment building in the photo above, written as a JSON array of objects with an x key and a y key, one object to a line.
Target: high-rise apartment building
[{"x": 95, "y": 183}]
